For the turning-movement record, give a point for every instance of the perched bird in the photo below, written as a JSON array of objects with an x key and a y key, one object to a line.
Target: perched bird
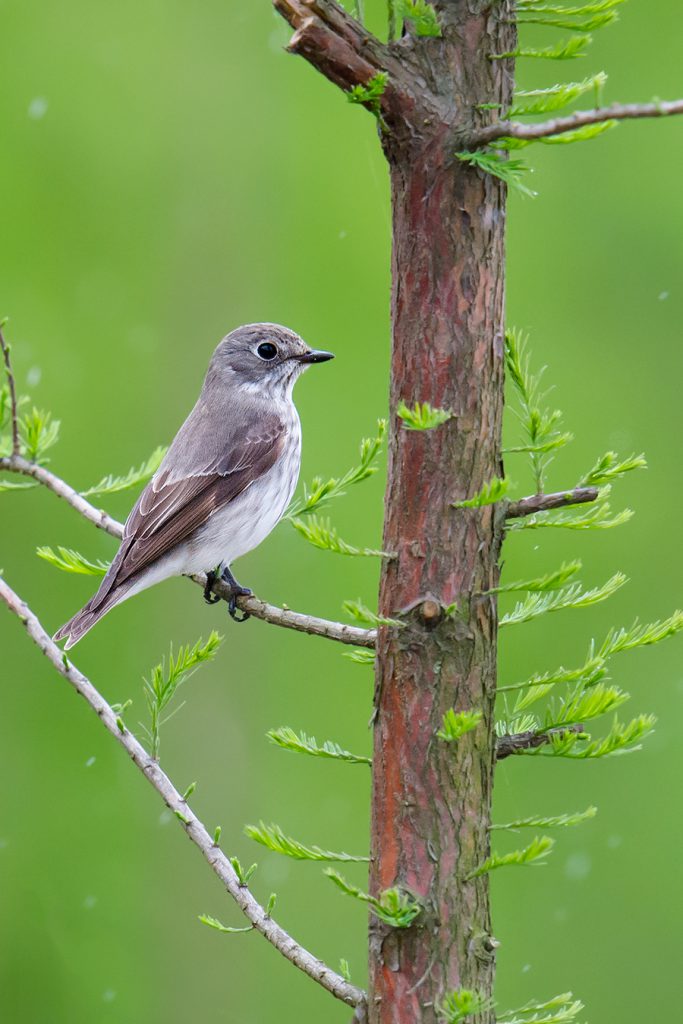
[{"x": 225, "y": 481}]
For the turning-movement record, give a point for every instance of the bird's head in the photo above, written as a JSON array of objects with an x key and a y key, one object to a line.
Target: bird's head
[{"x": 262, "y": 358}]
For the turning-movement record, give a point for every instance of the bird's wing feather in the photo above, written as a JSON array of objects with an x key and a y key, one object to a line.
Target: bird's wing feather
[{"x": 172, "y": 507}]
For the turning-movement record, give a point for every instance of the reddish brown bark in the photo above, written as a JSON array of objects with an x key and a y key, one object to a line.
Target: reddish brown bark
[{"x": 431, "y": 800}]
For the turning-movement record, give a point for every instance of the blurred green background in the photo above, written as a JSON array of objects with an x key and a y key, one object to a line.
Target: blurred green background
[{"x": 168, "y": 172}]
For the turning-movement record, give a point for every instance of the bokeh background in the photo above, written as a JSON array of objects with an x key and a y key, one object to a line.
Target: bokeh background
[{"x": 167, "y": 173}]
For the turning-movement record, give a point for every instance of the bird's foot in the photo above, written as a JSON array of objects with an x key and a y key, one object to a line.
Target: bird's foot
[
  {"x": 236, "y": 590},
  {"x": 210, "y": 597}
]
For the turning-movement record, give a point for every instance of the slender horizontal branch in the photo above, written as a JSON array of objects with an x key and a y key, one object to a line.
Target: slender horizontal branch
[
  {"x": 547, "y": 502},
  {"x": 196, "y": 831},
  {"x": 560, "y": 125},
  {"x": 14, "y": 408},
  {"x": 514, "y": 743},
  {"x": 253, "y": 605}
]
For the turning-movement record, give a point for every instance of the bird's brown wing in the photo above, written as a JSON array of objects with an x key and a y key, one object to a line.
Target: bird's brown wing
[{"x": 171, "y": 508}]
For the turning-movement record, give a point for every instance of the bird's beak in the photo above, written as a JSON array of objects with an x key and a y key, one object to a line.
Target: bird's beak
[{"x": 315, "y": 356}]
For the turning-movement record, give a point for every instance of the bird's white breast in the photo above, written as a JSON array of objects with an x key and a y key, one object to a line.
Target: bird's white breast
[{"x": 245, "y": 522}]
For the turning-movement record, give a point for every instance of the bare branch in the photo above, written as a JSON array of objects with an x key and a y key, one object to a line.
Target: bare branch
[
  {"x": 284, "y": 617},
  {"x": 513, "y": 743},
  {"x": 18, "y": 464},
  {"x": 546, "y": 502},
  {"x": 196, "y": 831},
  {"x": 560, "y": 125},
  {"x": 346, "y": 53},
  {"x": 14, "y": 409}
]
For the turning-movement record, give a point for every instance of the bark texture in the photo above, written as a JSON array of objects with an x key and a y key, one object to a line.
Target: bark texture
[{"x": 431, "y": 800}]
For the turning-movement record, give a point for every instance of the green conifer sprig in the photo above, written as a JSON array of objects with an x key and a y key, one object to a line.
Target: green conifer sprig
[
  {"x": 493, "y": 491},
  {"x": 568, "y": 49},
  {"x": 38, "y": 432},
  {"x": 554, "y": 821},
  {"x": 594, "y": 517},
  {"x": 462, "y": 1003},
  {"x": 11, "y": 485},
  {"x": 594, "y": 668},
  {"x": 361, "y": 613},
  {"x": 421, "y": 415},
  {"x": 507, "y": 169},
  {"x": 395, "y": 907},
  {"x": 69, "y": 560},
  {"x": 273, "y": 838},
  {"x": 457, "y": 723},
  {"x": 535, "y": 853},
  {"x": 370, "y": 95},
  {"x": 623, "y": 738},
  {"x": 551, "y": 580},
  {"x": 360, "y": 655},
  {"x": 288, "y": 739},
  {"x": 583, "y": 134},
  {"x": 321, "y": 534},
  {"x": 584, "y": 705},
  {"x": 540, "y": 424},
  {"x": 321, "y": 492},
  {"x": 133, "y": 478},
  {"x": 573, "y": 596},
  {"x": 545, "y": 101},
  {"x": 610, "y": 467},
  {"x": 421, "y": 16},
  {"x": 167, "y": 677},
  {"x": 213, "y": 922},
  {"x": 242, "y": 875},
  {"x": 563, "y": 1009}
]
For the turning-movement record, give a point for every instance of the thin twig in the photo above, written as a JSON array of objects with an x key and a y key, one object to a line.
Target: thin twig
[
  {"x": 196, "y": 831},
  {"x": 284, "y": 617},
  {"x": 18, "y": 464},
  {"x": 514, "y": 743},
  {"x": 546, "y": 502},
  {"x": 560, "y": 125},
  {"x": 14, "y": 408}
]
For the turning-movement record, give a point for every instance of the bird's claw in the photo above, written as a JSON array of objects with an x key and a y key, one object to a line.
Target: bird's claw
[
  {"x": 210, "y": 597},
  {"x": 236, "y": 614}
]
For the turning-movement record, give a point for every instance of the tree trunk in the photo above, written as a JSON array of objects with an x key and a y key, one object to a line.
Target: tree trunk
[{"x": 431, "y": 799}]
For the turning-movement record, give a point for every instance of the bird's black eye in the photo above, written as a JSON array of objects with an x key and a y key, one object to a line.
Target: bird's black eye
[{"x": 267, "y": 350}]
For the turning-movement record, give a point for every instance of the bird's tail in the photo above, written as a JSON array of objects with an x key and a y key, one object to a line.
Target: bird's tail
[{"x": 92, "y": 612}]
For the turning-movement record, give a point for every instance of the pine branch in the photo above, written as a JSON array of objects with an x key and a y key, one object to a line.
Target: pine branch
[
  {"x": 258, "y": 609},
  {"x": 396, "y": 908},
  {"x": 540, "y": 603},
  {"x": 273, "y": 838},
  {"x": 321, "y": 492},
  {"x": 288, "y": 739},
  {"x": 559, "y": 125},
  {"x": 563, "y": 1009},
  {"x": 14, "y": 406},
  {"x": 321, "y": 534},
  {"x": 113, "y": 484},
  {"x": 555, "y": 821},
  {"x": 69, "y": 560},
  {"x": 546, "y": 502},
  {"x": 517, "y": 743},
  {"x": 492, "y": 492},
  {"x": 258, "y": 916},
  {"x": 535, "y": 852}
]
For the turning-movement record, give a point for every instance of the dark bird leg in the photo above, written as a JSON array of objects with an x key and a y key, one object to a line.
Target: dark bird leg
[
  {"x": 211, "y": 578},
  {"x": 236, "y": 590}
]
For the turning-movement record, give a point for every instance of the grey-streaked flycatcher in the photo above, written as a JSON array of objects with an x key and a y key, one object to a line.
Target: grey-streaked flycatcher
[{"x": 226, "y": 480}]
